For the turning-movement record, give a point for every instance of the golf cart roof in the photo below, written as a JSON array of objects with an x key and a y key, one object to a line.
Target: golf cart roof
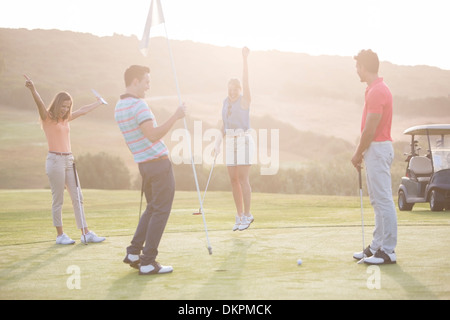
[{"x": 432, "y": 129}]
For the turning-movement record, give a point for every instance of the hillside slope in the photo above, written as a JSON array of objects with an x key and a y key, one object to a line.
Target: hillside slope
[
  {"x": 321, "y": 94},
  {"x": 314, "y": 101}
]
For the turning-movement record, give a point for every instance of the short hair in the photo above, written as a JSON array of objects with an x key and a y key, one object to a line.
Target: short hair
[
  {"x": 369, "y": 60},
  {"x": 135, "y": 72}
]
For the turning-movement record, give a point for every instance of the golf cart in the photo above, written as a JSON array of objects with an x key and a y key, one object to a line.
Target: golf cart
[{"x": 427, "y": 176}]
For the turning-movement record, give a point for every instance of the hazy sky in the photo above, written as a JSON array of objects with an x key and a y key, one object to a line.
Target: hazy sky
[{"x": 406, "y": 32}]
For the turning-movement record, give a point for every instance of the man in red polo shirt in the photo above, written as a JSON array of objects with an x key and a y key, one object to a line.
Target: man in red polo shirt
[{"x": 375, "y": 148}]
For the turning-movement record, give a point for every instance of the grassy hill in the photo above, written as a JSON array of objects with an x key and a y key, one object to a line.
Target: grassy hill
[
  {"x": 321, "y": 94},
  {"x": 315, "y": 101}
]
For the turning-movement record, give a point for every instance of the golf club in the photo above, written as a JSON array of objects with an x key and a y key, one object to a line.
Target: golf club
[
  {"x": 142, "y": 196},
  {"x": 362, "y": 213},
  {"x": 99, "y": 96},
  {"x": 79, "y": 203},
  {"x": 206, "y": 189}
]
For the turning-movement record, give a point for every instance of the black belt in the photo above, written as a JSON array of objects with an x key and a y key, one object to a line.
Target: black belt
[
  {"x": 61, "y": 153},
  {"x": 157, "y": 159}
]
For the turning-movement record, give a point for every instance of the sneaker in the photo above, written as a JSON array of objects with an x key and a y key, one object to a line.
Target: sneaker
[
  {"x": 154, "y": 268},
  {"x": 92, "y": 237},
  {"x": 245, "y": 223},
  {"x": 64, "y": 239},
  {"x": 237, "y": 223},
  {"x": 381, "y": 257},
  {"x": 368, "y": 252},
  {"x": 133, "y": 260}
]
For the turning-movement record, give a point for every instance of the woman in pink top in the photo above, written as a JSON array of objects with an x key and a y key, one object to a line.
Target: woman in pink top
[{"x": 60, "y": 161}]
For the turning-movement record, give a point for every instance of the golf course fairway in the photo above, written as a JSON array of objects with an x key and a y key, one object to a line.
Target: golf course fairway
[{"x": 256, "y": 264}]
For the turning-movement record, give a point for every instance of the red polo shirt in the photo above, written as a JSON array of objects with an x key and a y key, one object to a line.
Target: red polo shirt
[{"x": 379, "y": 100}]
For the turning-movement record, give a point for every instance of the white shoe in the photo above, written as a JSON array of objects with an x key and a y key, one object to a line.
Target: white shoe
[
  {"x": 92, "y": 237},
  {"x": 368, "y": 252},
  {"x": 154, "y": 268},
  {"x": 245, "y": 223},
  {"x": 381, "y": 257},
  {"x": 133, "y": 260},
  {"x": 237, "y": 223},
  {"x": 64, "y": 239}
]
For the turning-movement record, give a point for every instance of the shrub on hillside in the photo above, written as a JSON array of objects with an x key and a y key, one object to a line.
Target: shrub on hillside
[{"x": 102, "y": 171}]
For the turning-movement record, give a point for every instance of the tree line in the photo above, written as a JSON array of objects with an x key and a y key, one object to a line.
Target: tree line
[{"x": 333, "y": 177}]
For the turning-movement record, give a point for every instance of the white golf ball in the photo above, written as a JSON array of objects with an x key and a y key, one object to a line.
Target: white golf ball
[{"x": 299, "y": 262}]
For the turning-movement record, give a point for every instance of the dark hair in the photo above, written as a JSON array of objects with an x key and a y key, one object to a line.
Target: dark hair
[
  {"x": 369, "y": 60},
  {"x": 135, "y": 72}
]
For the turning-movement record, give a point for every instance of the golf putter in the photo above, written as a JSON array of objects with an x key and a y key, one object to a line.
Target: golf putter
[
  {"x": 142, "y": 196},
  {"x": 99, "y": 96},
  {"x": 206, "y": 189},
  {"x": 79, "y": 203},
  {"x": 202, "y": 212},
  {"x": 362, "y": 214}
]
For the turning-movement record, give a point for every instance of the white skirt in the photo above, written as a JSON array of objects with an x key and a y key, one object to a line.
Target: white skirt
[{"x": 240, "y": 150}]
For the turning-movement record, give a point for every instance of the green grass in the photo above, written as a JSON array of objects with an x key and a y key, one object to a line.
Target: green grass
[{"x": 259, "y": 263}]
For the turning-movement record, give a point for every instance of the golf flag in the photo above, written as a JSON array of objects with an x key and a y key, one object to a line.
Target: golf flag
[{"x": 155, "y": 17}]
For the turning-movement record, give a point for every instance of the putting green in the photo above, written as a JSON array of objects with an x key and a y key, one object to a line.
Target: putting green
[{"x": 259, "y": 263}]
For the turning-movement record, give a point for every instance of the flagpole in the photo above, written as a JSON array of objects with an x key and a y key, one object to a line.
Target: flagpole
[{"x": 189, "y": 140}]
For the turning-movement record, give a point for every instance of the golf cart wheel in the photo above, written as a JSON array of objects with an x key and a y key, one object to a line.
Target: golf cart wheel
[
  {"x": 435, "y": 205},
  {"x": 402, "y": 204}
]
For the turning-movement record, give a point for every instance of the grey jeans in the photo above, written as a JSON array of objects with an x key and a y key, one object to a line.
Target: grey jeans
[
  {"x": 159, "y": 190},
  {"x": 59, "y": 169},
  {"x": 378, "y": 159}
]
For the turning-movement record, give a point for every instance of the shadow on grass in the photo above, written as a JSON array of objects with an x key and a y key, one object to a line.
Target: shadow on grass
[
  {"x": 224, "y": 281},
  {"x": 31, "y": 264},
  {"x": 413, "y": 288}
]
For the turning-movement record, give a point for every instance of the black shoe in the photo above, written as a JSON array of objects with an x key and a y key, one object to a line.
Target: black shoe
[{"x": 133, "y": 264}]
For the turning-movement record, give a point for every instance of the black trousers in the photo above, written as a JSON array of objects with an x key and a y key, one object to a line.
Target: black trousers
[{"x": 159, "y": 190}]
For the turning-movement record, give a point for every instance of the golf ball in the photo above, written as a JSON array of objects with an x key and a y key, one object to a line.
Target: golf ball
[{"x": 299, "y": 262}]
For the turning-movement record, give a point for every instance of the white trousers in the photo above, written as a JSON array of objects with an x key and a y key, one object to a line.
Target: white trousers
[
  {"x": 59, "y": 169},
  {"x": 378, "y": 159}
]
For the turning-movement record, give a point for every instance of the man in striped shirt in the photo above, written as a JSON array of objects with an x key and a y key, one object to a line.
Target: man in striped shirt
[{"x": 143, "y": 137}]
